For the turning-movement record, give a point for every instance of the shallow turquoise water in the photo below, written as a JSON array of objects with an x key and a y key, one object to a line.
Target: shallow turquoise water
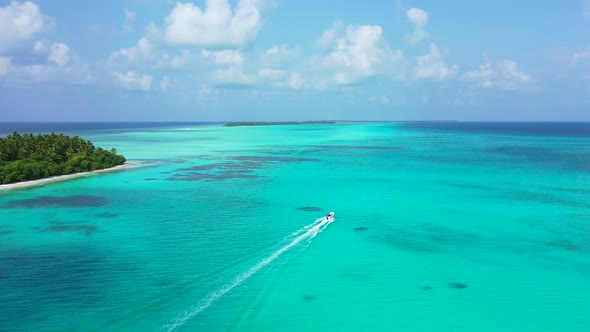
[{"x": 434, "y": 231}]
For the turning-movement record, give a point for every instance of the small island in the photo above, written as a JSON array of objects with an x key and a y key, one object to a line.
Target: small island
[
  {"x": 29, "y": 157},
  {"x": 284, "y": 123}
]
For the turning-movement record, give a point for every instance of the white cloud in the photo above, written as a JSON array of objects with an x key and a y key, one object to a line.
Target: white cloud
[
  {"x": 4, "y": 65},
  {"x": 419, "y": 18},
  {"x": 295, "y": 81},
  {"x": 329, "y": 37},
  {"x": 233, "y": 75},
  {"x": 165, "y": 83},
  {"x": 177, "y": 61},
  {"x": 359, "y": 53},
  {"x": 145, "y": 51},
  {"x": 272, "y": 74},
  {"x": 59, "y": 53},
  {"x": 42, "y": 73},
  {"x": 39, "y": 46},
  {"x": 281, "y": 52},
  {"x": 281, "y": 78},
  {"x": 503, "y": 74},
  {"x": 433, "y": 66},
  {"x": 129, "y": 16},
  {"x": 224, "y": 57},
  {"x": 129, "y": 19},
  {"x": 379, "y": 99},
  {"x": 582, "y": 54},
  {"x": 133, "y": 80},
  {"x": 217, "y": 24},
  {"x": 20, "y": 21}
]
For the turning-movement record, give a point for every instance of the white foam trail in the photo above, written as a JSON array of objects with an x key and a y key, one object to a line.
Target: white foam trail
[
  {"x": 306, "y": 228},
  {"x": 310, "y": 231}
]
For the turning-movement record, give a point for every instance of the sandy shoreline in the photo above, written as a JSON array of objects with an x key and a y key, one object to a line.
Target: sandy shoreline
[{"x": 61, "y": 178}]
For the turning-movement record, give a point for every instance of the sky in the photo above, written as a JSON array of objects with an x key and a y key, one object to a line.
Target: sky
[{"x": 273, "y": 60}]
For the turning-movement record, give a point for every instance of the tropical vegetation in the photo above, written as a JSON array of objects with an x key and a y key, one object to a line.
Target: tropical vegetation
[{"x": 29, "y": 157}]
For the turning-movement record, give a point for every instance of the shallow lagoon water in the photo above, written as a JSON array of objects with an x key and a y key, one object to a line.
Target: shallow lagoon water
[{"x": 437, "y": 228}]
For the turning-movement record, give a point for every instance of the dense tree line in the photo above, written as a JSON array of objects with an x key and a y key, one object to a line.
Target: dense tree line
[{"x": 30, "y": 157}]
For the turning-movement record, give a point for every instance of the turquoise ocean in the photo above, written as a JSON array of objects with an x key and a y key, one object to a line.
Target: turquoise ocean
[{"x": 439, "y": 227}]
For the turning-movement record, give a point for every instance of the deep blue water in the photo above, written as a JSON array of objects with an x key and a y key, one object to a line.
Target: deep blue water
[
  {"x": 573, "y": 129},
  {"x": 78, "y": 128}
]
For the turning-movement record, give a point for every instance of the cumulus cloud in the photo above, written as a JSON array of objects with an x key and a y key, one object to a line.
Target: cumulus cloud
[
  {"x": 272, "y": 74},
  {"x": 503, "y": 74},
  {"x": 20, "y": 21},
  {"x": 146, "y": 52},
  {"x": 216, "y": 25},
  {"x": 129, "y": 19},
  {"x": 581, "y": 55},
  {"x": 4, "y": 65},
  {"x": 144, "y": 49},
  {"x": 165, "y": 83},
  {"x": 379, "y": 99},
  {"x": 129, "y": 16},
  {"x": 43, "y": 73},
  {"x": 133, "y": 80},
  {"x": 295, "y": 81},
  {"x": 227, "y": 57},
  {"x": 281, "y": 52},
  {"x": 234, "y": 75},
  {"x": 281, "y": 78},
  {"x": 39, "y": 46},
  {"x": 59, "y": 53},
  {"x": 433, "y": 66},
  {"x": 177, "y": 61},
  {"x": 358, "y": 52},
  {"x": 419, "y": 18},
  {"x": 329, "y": 37}
]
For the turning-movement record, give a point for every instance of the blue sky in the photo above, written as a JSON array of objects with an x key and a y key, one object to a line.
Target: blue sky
[{"x": 220, "y": 60}]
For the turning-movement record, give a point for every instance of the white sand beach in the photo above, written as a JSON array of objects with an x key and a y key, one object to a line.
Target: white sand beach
[{"x": 61, "y": 178}]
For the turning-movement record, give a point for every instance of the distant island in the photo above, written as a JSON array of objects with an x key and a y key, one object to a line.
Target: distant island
[
  {"x": 284, "y": 123},
  {"x": 30, "y": 157}
]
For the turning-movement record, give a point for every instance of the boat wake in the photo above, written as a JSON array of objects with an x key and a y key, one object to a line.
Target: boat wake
[{"x": 306, "y": 233}]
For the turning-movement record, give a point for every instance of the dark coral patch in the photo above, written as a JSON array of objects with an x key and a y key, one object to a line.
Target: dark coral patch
[
  {"x": 540, "y": 197},
  {"x": 426, "y": 238},
  {"x": 309, "y": 208},
  {"x": 234, "y": 167},
  {"x": 565, "y": 244},
  {"x": 107, "y": 215},
  {"x": 6, "y": 232},
  {"x": 457, "y": 285},
  {"x": 218, "y": 176},
  {"x": 273, "y": 159},
  {"x": 150, "y": 179},
  {"x": 360, "y": 229},
  {"x": 55, "y": 201},
  {"x": 308, "y": 298},
  {"x": 427, "y": 287},
  {"x": 86, "y": 229},
  {"x": 358, "y": 147}
]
